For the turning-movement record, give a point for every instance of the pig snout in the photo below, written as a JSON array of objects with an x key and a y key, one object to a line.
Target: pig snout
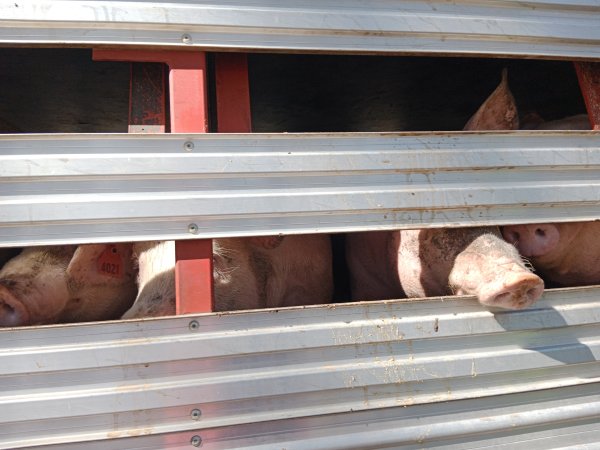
[
  {"x": 532, "y": 240},
  {"x": 514, "y": 290},
  {"x": 497, "y": 276},
  {"x": 12, "y": 311}
]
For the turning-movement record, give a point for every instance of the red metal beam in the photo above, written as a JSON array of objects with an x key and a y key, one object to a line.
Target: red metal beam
[
  {"x": 588, "y": 74},
  {"x": 188, "y": 114},
  {"x": 194, "y": 276},
  {"x": 233, "y": 93}
]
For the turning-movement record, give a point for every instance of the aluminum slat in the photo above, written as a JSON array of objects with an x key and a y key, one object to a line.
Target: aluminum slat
[
  {"x": 543, "y": 28},
  {"x": 434, "y": 372},
  {"x": 88, "y": 188}
]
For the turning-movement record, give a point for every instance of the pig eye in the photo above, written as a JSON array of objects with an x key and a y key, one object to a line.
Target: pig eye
[
  {"x": 539, "y": 232},
  {"x": 114, "y": 250}
]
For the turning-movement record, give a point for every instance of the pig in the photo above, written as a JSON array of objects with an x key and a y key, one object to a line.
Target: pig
[
  {"x": 577, "y": 122},
  {"x": 564, "y": 254},
  {"x": 60, "y": 284},
  {"x": 434, "y": 262},
  {"x": 249, "y": 273}
]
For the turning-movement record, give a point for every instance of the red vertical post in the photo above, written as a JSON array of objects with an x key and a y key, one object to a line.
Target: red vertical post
[
  {"x": 233, "y": 93},
  {"x": 188, "y": 113},
  {"x": 194, "y": 270},
  {"x": 188, "y": 97},
  {"x": 588, "y": 74}
]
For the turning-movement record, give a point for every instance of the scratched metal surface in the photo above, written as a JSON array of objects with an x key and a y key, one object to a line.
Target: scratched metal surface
[
  {"x": 436, "y": 373},
  {"x": 90, "y": 188},
  {"x": 543, "y": 28}
]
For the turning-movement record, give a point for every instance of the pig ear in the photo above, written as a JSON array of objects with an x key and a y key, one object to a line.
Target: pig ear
[
  {"x": 267, "y": 242},
  {"x": 93, "y": 262},
  {"x": 498, "y": 112}
]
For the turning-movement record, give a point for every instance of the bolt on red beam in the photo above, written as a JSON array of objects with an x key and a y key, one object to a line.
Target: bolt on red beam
[
  {"x": 188, "y": 112},
  {"x": 588, "y": 74}
]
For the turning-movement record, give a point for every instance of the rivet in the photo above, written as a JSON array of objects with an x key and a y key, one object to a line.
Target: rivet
[
  {"x": 196, "y": 441},
  {"x": 189, "y": 146},
  {"x": 196, "y": 413},
  {"x": 194, "y": 325},
  {"x": 192, "y": 228},
  {"x": 186, "y": 38}
]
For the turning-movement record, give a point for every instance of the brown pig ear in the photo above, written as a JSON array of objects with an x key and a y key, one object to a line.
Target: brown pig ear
[
  {"x": 498, "y": 112},
  {"x": 93, "y": 262},
  {"x": 267, "y": 242}
]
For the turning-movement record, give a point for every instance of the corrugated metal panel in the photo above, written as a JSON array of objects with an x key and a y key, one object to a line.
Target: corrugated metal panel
[
  {"x": 547, "y": 28},
  {"x": 90, "y": 188},
  {"x": 434, "y": 373}
]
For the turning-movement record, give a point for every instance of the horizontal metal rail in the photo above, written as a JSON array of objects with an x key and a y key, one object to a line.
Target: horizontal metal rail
[
  {"x": 408, "y": 374},
  {"x": 542, "y": 28},
  {"x": 90, "y": 188}
]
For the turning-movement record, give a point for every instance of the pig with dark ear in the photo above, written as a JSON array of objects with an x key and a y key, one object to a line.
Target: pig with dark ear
[
  {"x": 45, "y": 285},
  {"x": 249, "y": 273},
  {"x": 444, "y": 261}
]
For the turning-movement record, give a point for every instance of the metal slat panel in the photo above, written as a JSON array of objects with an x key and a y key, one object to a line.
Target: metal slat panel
[
  {"x": 90, "y": 188},
  {"x": 545, "y": 28},
  {"x": 434, "y": 373}
]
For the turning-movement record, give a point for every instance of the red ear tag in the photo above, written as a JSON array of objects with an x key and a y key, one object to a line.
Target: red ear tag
[{"x": 110, "y": 262}]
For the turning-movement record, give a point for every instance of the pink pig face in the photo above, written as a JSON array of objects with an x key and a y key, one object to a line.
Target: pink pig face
[{"x": 44, "y": 285}]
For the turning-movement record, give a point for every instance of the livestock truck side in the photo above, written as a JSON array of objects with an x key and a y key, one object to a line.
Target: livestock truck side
[{"x": 195, "y": 79}]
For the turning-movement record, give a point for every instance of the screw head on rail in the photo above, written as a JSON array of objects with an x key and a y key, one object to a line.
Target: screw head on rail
[
  {"x": 186, "y": 38},
  {"x": 196, "y": 413},
  {"x": 189, "y": 146},
  {"x": 196, "y": 441},
  {"x": 192, "y": 228},
  {"x": 194, "y": 325}
]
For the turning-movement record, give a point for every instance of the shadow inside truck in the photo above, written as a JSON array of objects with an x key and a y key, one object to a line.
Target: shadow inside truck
[{"x": 545, "y": 330}]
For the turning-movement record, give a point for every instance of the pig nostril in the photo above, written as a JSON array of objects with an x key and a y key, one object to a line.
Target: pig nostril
[
  {"x": 12, "y": 314},
  {"x": 9, "y": 315},
  {"x": 501, "y": 298},
  {"x": 6, "y": 309},
  {"x": 534, "y": 293}
]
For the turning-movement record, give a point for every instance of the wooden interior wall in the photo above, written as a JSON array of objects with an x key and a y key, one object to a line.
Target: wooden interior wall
[
  {"x": 296, "y": 93},
  {"x": 63, "y": 90}
]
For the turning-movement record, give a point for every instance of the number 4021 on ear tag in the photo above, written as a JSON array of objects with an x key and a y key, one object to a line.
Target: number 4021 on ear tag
[{"x": 110, "y": 263}]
